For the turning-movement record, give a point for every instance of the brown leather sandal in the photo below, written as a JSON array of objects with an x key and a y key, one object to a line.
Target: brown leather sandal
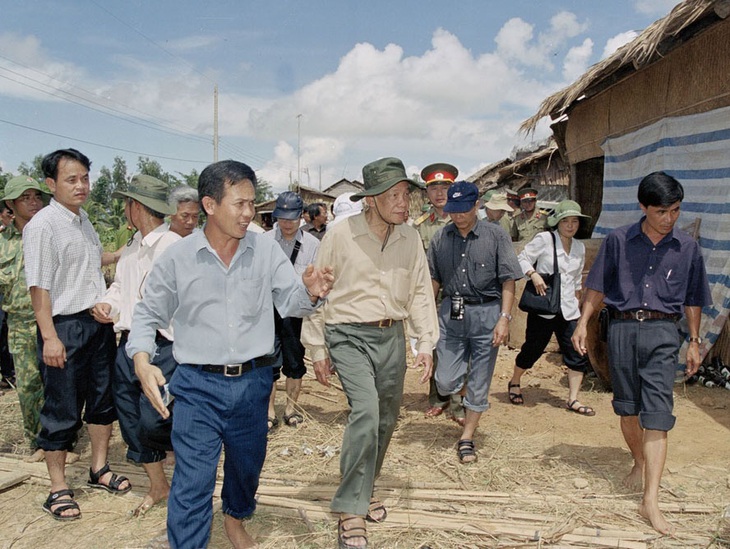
[
  {"x": 376, "y": 509},
  {"x": 344, "y": 535}
]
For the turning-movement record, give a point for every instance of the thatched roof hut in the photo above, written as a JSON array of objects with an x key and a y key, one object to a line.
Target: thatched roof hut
[{"x": 542, "y": 169}]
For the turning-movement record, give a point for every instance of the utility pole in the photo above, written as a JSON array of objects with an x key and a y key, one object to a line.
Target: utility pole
[
  {"x": 299, "y": 151},
  {"x": 215, "y": 123}
]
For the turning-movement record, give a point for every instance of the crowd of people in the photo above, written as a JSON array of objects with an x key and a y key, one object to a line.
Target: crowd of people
[{"x": 184, "y": 348}]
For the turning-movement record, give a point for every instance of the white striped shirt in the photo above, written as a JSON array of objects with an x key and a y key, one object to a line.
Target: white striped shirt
[{"x": 63, "y": 255}]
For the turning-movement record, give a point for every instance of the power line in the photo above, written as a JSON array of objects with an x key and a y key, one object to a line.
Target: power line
[
  {"x": 104, "y": 146},
  {"x": 148, "y": 116},
  {"x": 151, "y": 41},
  {"x": 82, "y": 102}
]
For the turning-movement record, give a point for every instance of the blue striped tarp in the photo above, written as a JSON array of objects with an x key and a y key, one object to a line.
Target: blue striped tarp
[{"x": 695, "y": 150}]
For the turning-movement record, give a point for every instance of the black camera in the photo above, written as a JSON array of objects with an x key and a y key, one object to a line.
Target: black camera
[{"x": 457, "y": 307}]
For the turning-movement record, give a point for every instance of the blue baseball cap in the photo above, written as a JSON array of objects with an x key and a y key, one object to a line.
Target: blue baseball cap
[
  {"x": 462, "y": 197},
  {"x": 289, "y": 205}
]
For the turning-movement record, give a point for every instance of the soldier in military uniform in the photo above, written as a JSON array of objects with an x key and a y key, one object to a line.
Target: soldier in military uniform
[
  {"x": 530, "y": 221},
  {"x": 25, "y": 196},
  {"x": 437, "y": 178}
]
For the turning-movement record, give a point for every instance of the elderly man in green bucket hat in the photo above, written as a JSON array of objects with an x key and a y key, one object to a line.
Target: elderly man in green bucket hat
[
  {"x": 25, "y": 197},
  {"x": 381, "y": 281},
  {"x": 146, "y": 433}
]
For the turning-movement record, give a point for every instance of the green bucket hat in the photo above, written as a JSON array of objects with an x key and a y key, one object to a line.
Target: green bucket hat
[
  {"x": 149, "y": 191},
  {"x": 21, "y": 183},
  {"x": 381, "y": 175},
  {"x": 566, "y": 208}
]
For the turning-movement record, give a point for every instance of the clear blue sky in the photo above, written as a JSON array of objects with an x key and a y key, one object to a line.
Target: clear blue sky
[{"x": 423, "y": 80}]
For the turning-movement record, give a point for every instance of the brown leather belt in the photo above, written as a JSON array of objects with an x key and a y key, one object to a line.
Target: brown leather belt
[
  {"x": 642, "y": 315},
  {"x": 385, "y": 323}
]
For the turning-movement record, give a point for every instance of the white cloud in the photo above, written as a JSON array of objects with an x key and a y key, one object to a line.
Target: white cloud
[
  {"x": 516, "y": 42},
  {"x": 654, "y": 7},
  {"x": 33, "y": 74},
  {"x": 615, "y": 42},
  {"x": 448, "y": 102},
  {"x": 576, "y": 60},
  {"x": 447, "y": 98}
]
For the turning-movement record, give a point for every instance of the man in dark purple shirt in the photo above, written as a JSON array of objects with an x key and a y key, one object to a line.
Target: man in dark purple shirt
[{"x": 648, "y": 274}]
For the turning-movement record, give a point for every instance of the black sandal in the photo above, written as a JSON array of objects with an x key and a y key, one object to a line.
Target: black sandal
[
  {"x": 514, "y": 398},
  {"x": 63, "y": 500},
  {"x": 581, "y": 409},
  {"x": 466, "y": 450},
  {"x": 344, "y": 535},
  {"x": 294, "y": 419},
  {"x": 114, "y": 483}
]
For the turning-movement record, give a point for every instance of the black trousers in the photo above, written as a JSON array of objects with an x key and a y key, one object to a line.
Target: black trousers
[{"x": 537, "y": 336}]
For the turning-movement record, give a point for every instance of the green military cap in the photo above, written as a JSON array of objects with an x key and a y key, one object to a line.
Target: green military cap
[
  {"x": 21, "y": 183},
  {"x": 380, "y": 176},
  {"x": 149, "y": 191}
]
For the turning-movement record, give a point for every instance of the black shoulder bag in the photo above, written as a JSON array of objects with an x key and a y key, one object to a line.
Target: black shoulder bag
[{"x": 548, "y": 304}]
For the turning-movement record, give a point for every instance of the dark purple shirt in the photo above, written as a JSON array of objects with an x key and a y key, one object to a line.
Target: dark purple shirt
[{"x": 633, "y": 273}]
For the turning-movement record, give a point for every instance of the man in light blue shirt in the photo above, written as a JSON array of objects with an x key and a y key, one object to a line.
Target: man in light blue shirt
[{"x": 218, "y": 287}]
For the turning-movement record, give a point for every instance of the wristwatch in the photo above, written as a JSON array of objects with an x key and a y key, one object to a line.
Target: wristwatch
[
  {"x": 697, "y": 340},
  {"x": 506, "y": 315}
]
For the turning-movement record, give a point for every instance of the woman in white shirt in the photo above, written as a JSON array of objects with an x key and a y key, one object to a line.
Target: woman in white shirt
[{"x": 537, "y": 257}]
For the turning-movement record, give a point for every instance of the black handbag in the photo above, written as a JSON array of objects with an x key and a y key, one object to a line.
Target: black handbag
[{"x": 548, "y": 304}]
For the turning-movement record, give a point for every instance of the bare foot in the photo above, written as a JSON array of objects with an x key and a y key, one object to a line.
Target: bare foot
[
  {"x": 634, "y": 480},
  {"x": 149, "y": 501},
  {"x": 38, "y": 456},
  {"x": 655, "y": 517},
  {"x": 237, "y": 534},
  {"x": 71, "y": 457}
]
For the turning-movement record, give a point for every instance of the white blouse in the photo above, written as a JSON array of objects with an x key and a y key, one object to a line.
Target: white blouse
[{"x": 538, "y": 255}]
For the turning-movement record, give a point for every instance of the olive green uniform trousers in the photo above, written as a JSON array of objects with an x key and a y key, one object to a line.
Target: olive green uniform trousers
[{"x": 371, "y": 365}]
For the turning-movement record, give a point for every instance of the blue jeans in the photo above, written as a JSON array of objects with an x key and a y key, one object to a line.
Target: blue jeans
[{"x": 212, "y": 411}]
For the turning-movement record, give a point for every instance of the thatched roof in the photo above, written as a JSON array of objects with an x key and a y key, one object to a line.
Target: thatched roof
[
  {"x": 479, "y": 176},
  {"x": 498, "y": 173},
  {"x": 686, "y": 20}
]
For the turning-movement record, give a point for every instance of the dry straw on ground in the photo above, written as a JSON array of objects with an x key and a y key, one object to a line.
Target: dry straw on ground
[{"x": 544, "y": 478}]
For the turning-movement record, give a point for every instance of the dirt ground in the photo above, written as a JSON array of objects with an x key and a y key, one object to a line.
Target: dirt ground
[{"x": 545, "y": 477}]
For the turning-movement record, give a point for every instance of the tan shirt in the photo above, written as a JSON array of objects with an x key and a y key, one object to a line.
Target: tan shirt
[
  {"x": 372, "y": 285},
  {"x": 524, "y": 228},
  {"x": 429, "y": 224}
]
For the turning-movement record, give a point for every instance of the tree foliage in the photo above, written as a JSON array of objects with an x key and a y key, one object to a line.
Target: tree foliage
[
  {"x": 107, "y": 213},
  {"x": 153, "y": 168},
  {"x": 34, "y": 169},
  {"x": 264, "y": 193}
]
